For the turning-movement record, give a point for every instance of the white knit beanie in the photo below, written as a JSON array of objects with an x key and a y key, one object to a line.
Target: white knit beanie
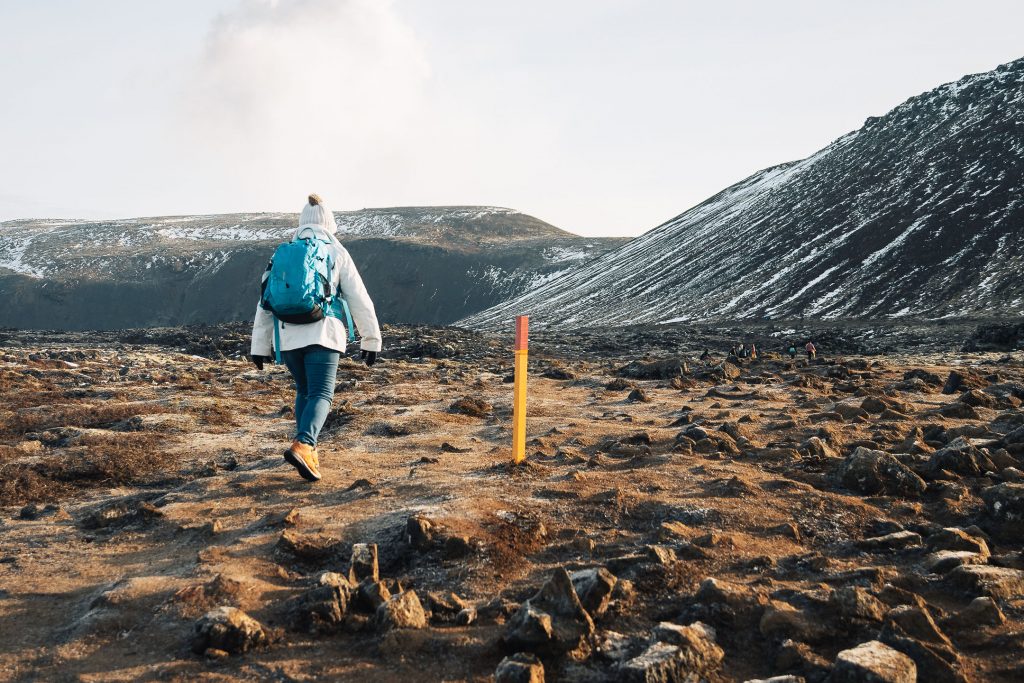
[{"x": 315, "y": 214}]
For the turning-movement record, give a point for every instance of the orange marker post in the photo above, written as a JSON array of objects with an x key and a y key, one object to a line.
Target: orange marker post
[{"x": 519, "y": 390}]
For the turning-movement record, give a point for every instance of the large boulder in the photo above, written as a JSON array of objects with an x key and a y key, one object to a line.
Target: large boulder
[
  {"x": 962, "y": 457},
  {"x": 401, "y": 611},
  {"x": 988, "y": 581},
  {"x": 659, "y": 369},
  {"x": 876, "y": 472},
  {"x": 1004, "y": 506},
  {"x": 873, "y": 662},
  {"x": 228, "y": 629},
  {"x": 552, "y": 621}
]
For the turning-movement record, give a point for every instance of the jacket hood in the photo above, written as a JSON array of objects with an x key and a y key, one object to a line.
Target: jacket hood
[{"x": 316, "y": 231}]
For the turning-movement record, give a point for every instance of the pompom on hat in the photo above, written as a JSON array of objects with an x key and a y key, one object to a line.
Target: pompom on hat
[{"x": 316, "y": 215}]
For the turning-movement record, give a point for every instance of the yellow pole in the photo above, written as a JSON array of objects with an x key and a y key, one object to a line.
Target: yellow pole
[{"x": 519, "y": 391}]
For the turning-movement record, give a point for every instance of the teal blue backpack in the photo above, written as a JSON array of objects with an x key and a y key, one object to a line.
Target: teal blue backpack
[{"x": 297, "y": 287}]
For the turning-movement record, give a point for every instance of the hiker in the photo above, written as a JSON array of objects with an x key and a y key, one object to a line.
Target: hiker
[
  {"x": 812, "y": 352},
  {"x": 791, "y": 351},
  {"x": 707, "y": 354},
  {"x": 309, "y": 327},
  {"x": 753, "y": 352}
]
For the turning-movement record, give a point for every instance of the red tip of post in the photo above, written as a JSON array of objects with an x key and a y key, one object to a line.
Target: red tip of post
[{"x": 522, "y": 332}]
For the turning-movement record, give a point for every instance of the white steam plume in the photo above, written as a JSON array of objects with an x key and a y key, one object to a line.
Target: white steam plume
[{"x": 292, "y": 96}]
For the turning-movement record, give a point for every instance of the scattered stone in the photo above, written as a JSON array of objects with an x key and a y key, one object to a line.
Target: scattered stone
[
  {"x": 945, "y": 561},
  {"x": 401, "y": 611},
  {"x": 663, "y": 662},
  {"x": 638, "y": 396},
  {"x": 961, "y": 380},
  {"x": 662, "y": 369},
  {"x": 228, "y": 629},
  {"x": 899, "y": 540},
  {"x": 445, "y": 607},
  {"x": 917, "y": 623},
  {"x": 521, "y": 667},
  {"x": 876, "y": 472},
  {"x": 853, "y": 602},
  {"x": 983, "y": 611},
  {"x": 363, "y": 563},
  {"x": 952, "y": 538},
  {"x": 552, "y": 621},
  {"x": 321, "y": 609},
  {"x": 873, "y": 662},
  {"x": 1004, "y": 504},
  {"x": 962, "y": 457},
  {"x": 594, "y": 588},
  {"x": 370, "y": 595},
  {"x": 419, "y": 532},
  {"x": 449, "y": 448},
  {"x": 986, "y": 580}
]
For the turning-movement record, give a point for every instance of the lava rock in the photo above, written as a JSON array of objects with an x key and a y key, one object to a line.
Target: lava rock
[
  {"x": 228, "y": 629},
  {"x": 364, "y": 563},
  {"x": 986, "y": 580},
  {"x": 521, "y": 667},
  {"x": 983, "y": 611},
  {"x": 401, "y": 611},
  {"x": 1004, "y": 506},
  {"x": 321, "y": 609},
  {"x": 552, "y": 621},
  {"x": 962, "y": 457},
  {"x": 898, "y": 540},
  {"x": 876, "y": 472},
  {"x": 662, "y": 369},
  {"x": 594, "y": 588},
  {"x": 419, "y": 532},
  {"x": 873, "y": 662}
]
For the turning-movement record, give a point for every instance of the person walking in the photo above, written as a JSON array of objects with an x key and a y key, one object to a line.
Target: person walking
[
  {"x": 791, "y": 351},
  {"x": 812, "y": 352},
  {"x": 311, "y": 342}
]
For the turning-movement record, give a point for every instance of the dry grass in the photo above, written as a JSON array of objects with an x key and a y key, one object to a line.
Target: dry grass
[
  {"x": 75, "y": 415},
  {"x": 99, "y": 460}
]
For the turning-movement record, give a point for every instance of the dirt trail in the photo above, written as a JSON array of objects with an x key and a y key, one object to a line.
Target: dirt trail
[{"x": 145, "y": 487}]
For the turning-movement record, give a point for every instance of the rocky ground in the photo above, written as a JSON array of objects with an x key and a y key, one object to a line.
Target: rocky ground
[{"x": 675, "y": 519}]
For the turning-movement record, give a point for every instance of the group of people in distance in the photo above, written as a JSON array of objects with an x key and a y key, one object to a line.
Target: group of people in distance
[{"x": 749, "y": 352}]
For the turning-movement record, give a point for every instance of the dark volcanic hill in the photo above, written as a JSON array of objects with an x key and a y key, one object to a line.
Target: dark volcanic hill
[
  {"x": 918, "y": 213},
  {"x": 420, "y": 264}
]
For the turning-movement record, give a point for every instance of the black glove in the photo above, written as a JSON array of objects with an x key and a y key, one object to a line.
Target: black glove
[
  {"x": 370, "y": 357},
  {"x": 258, "y": 361}
]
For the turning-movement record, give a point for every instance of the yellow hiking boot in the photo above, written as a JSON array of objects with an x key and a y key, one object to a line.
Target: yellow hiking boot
[{"x": 304, "y": 458}]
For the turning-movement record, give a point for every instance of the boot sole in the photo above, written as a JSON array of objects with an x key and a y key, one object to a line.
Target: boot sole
[{"x": 298, "y": 464}]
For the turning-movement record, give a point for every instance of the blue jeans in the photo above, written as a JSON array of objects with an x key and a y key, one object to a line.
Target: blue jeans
[{"x": 314, "y": 369}]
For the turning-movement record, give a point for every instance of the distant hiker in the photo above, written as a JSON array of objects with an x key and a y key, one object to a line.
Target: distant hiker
[
  {"x": 812, "y": 352},
  {"x": 310, "y": 294},
  {"x": 753, "y": 352},
  {"x": 706, "y": 354},
  {"x": 742, "y": 351},
  {"x": 792, "y": 351},
  {"x": 734, "y": 352}
]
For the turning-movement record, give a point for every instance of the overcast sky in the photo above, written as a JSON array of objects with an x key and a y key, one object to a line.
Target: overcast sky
[{"x": 604, "y": 117}]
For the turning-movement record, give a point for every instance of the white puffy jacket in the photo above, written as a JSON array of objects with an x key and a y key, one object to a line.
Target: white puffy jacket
[{"x": 329, "y": 332}]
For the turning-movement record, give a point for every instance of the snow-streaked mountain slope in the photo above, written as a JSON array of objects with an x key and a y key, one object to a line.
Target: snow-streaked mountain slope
[
  {"x": 918, "y": 213},
  {"x": 421, "y": 264}
]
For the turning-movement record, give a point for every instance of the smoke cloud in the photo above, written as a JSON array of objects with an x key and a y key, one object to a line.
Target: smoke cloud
[{"x": 292, "y": 96}]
